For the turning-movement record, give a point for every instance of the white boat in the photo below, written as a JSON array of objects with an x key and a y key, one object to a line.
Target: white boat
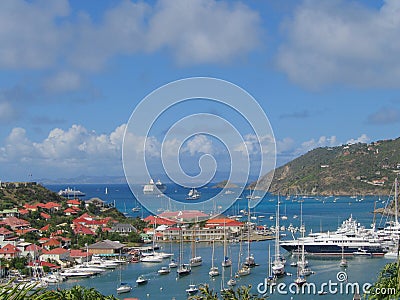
[
  {"x": 343, "y": 261},
  {"x": 152, "y": 259},
  {"x": 74, "y": 273},
  {"x": 90, "y": 269},
  {"x": 172, "y": 264},
  {"x": 391, "y": 255},
  {"x": 68, "y": 192},
  {"x": 154, "y": 188},
  {"x": 141, "y": 280},
  {"x": 53, "y": 278},
  {"x": 214, "y": 269},
  {"x": 227, "y": 262},
  {"x": 278, "y": 267},
  {"x": 183, "y": 269},
  {"x": 196, "y": 260},
  {"x": 164, "y": 271},
  {"x": 192, "y": 289},
  {"x": 244, "y": 271},
  {"x": 231, "y": 282},
  {"x": 193, "y": 194},
  {"x": 100, "y": 263},
  {"x": 124, "y": 288}
]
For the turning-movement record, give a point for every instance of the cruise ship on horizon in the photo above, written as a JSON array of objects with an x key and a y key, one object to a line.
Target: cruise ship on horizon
[
  {"x": 154, "y": 188},
  {"x": 68, "y": 192}
]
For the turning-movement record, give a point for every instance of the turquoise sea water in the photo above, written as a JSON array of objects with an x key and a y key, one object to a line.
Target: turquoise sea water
[{"x": 318, "y": 213}]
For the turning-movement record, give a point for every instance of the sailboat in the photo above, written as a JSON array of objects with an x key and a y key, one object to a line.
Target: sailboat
[
  {"x": 271, "y": 278},
  {"x": 250, "y": 261},
  {"x": 343, "y": 261},
  {"x": 196, "y": 260},
  {"x": 232, "y": 280},
  {"x": 301, "y": 267},
  {"x": 214, "y": 269},
  {"x": 284, "y": 217},
  {"x": 123, "y": 286},
  {"x": 278, "y": 268},
  {"x": 154, "y": 257},
  {"x": 193, "y": 194},
  {"x": 227, "y": 262},
  {"x": 242, "y": 270},
  {"x": 183, "y": 269}
]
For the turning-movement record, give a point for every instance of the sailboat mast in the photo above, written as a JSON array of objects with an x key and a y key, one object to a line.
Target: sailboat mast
[
  {"x": 277, "y": 231},
  {"x": 395, "y": 202}
]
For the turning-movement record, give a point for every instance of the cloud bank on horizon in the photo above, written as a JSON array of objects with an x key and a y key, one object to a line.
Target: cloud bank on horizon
[{"x": 325, "y": 72}]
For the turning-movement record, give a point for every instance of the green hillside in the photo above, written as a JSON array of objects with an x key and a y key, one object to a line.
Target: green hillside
[{"x": 357, "y": 169}]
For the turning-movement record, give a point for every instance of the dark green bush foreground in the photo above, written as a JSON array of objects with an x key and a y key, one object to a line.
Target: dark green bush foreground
[
  {"x": 8, "y": 292},
  {"x": 387, "y": 287}
]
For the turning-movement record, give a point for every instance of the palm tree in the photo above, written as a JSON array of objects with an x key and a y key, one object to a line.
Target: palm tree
[{"x": 242, "y": 293}]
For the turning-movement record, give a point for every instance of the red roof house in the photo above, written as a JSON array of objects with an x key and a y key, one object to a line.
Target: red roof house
[
  {"x": 9, "y": 251},
  {"x": 45, "y": 216}
]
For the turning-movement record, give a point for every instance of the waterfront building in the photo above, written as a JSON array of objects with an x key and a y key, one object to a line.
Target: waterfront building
[{"x": 106, "y": 248}]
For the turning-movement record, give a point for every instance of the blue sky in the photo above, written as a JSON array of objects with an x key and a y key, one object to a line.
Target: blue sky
[{"x": 71, "y": 73}]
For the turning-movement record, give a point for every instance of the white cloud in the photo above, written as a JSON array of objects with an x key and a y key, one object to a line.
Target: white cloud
[
  {"x": 7, "y": 111},
  {"x": 342, "y": 42},
  {"x": 361, "y": 139},
  {"x": 309, "y": 145},
  {"x": 29, "y": 34},
  {"x": 64, "y": 81},
  {"x": 385, "y": 115},
  {"x": 73, "y": 151},
  {"x": 199, "y": 144},
  {"x": 42, "y": 35},
  {"x": 203, "y": 31},
  {"x": 253, "y": 143}
]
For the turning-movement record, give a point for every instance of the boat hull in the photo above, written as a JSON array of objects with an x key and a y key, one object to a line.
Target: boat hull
[{"x": 332, "y": 250}]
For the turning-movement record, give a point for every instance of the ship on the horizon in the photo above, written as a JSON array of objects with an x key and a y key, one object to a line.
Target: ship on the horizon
[
  {"x": 68, "y": 192},
  {"x": 154, "y": 188}
]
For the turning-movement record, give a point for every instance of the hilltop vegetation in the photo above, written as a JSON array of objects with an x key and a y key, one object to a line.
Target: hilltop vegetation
[
  {"x": 357, "y": 169},
  {"x": 17, "y": 194}
]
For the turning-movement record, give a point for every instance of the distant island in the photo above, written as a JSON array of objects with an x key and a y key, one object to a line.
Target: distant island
[
  {"x": 225, "y": 185},
  {"x": 352, "y": 169}
]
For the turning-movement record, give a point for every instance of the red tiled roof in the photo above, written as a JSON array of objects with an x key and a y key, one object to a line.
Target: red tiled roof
[
  {"x": 14, "y": 221},
  {"x": 55, "y": 251},
  {"x": 4, "y": 231},
  {"x": 43, "y": 264},
  {"x": 9, "y": 249},
  {"x": 23, "y": 211},
  {"x": 45, "y": 216},
  {"x": 45, "y": 228},
  {"x": 173, "y": 229},
  {"x": 81, "y": 229},
  {"x": 30, "y": 206},
  {"x": 70, "y": 210},
  {"x": 33, "y": 247},
  {"x": 52, "y": 243},
  {"x": 74, "y": 202},
  {"x": 223, "y": 222},
  {"x": 78, "y": 253},
  {"x": 158, "y": 221},
  {"x": 50, "y": 205},
  {"x": 23, "y": 231},
  {"x": 184, "y": 214}
]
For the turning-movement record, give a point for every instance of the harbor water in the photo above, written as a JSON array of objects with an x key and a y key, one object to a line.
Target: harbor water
[{"x": 319, "y": 213}]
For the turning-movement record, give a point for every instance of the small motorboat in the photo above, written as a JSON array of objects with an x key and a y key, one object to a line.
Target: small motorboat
[
  {"x": 141, "y": 280},
  {"x": 192, "y": 289},
  {"x": 164, "y": 271}
]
